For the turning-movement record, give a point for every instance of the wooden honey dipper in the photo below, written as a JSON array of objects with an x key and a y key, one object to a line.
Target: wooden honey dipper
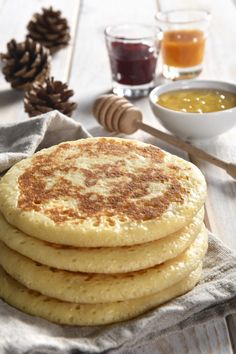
[{"x": 116, "y": 114}]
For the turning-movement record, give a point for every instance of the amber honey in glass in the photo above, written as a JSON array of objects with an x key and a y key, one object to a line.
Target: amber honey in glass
[
  {"x": 183, "y": 48},
  {"x": 183, "y": 42}
]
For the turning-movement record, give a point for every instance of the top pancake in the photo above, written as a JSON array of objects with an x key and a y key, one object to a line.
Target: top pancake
[{"x": 100, "y": 192}]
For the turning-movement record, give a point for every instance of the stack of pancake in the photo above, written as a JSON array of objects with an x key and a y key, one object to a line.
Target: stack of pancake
[{"x": 100, "y": 230}]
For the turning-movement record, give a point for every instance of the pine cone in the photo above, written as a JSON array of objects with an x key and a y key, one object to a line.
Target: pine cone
[
  {"x": 25, "y": 63},
  {"x": 49, "y": 29},
  {"x": 47, "y": 96}
]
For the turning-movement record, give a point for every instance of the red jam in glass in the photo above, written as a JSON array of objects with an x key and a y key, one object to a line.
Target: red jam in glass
[{"x": 132, "y": 63}]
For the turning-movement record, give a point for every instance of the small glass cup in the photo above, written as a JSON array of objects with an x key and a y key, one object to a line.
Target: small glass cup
[
  {"x": 183, "y": 41},
  {"x": 133, "y": 51}
]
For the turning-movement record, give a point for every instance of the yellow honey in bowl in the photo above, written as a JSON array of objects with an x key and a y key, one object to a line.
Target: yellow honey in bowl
[{"x": 197, "y": 100}]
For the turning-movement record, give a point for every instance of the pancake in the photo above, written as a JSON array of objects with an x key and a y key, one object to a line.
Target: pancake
[
  {"x": 67, "y": 313},
  {"x": 101, "y": 260},
  {"x": 101, "y": 192},
  {"x": 98, "y": 288}
]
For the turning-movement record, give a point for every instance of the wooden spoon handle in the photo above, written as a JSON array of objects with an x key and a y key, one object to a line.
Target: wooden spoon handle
[{"x": 182, "y": 145}]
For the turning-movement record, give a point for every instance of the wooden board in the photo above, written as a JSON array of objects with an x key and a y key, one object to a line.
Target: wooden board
[{"x": 211, "y": 337}]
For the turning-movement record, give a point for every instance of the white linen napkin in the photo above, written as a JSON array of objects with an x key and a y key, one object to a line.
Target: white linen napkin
[
  {"x": 21, "y": 140},
  {"x": 214, "y": 296}
]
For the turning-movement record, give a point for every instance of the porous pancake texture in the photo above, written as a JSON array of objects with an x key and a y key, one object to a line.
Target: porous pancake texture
[
  {"x": 98, "y": 288},
  {"x": 69, "y": 313},
  {"x": 100, "y": 230},
  {"x": 102, "y": 259},
  {"x": 101, "y": 192}
]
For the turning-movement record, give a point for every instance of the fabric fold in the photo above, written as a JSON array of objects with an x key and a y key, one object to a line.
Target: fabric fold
[{"x": 18, "y": 141}]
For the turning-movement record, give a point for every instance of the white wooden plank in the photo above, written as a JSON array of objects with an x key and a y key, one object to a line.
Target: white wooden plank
[
  {"x": 2, "y": 3},
  {"x": 211, "y": 337},
  {"x": 231, "y": 322},
  {"x": 14, "y": 26},
  {"x": 221, "y": 203}
]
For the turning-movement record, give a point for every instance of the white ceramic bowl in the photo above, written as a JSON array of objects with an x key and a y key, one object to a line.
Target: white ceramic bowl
[{"x": 192, "y": 126}]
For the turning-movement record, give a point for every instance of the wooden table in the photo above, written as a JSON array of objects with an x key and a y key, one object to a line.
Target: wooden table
[{"x": 84, "y": 65}]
